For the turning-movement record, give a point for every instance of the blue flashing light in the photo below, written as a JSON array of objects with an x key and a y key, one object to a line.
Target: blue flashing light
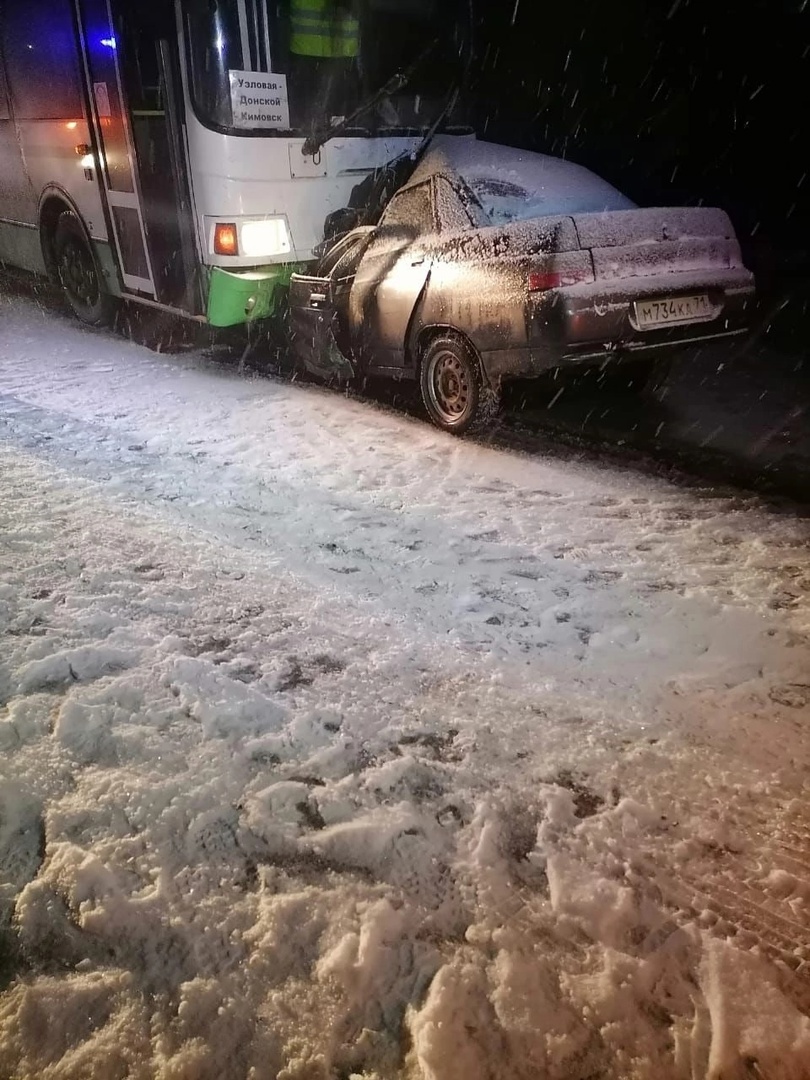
[{"x": 108, "y": 42}]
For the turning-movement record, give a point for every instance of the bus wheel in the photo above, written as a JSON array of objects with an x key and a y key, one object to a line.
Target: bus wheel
[{"x": 79, "y": 274}]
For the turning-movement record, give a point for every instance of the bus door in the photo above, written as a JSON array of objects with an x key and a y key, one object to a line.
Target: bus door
[
  {"x": 150, "y": 70},
  {"x": 119, "y": 179}
]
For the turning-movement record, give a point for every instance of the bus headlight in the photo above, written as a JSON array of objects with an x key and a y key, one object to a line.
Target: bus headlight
[{"x": 263, "y": 239}]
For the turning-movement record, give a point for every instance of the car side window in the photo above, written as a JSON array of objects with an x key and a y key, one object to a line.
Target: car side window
[
  {"x": 453, "y": 215},
  {"x": 346, "y": 260},
  {"x": 336, "y": 255},
  {"x": 410, "y": 212}
]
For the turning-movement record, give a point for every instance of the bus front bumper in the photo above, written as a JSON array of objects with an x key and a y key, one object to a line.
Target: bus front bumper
[{"x": 243, "y": 296}]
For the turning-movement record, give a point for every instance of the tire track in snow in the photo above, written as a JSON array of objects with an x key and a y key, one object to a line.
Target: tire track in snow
[
  {"x": 502, "y": 593},
  {"x": 175, "y": 856}
]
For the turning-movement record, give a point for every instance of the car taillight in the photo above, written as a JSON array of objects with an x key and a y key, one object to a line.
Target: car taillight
[
  {"x": 539, "y": 281},
  {"x": 226, "y": 241},
  {"x": 543, "y": 280}
]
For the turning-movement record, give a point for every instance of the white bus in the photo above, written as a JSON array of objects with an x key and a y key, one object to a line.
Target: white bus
[{"x": 186, "y": 155}]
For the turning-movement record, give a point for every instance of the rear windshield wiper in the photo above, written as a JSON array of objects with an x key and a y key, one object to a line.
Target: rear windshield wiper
[{"x": 396, "y": 83}]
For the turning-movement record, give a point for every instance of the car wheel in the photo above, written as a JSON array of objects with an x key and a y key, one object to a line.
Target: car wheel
[
  {"x": 452, "y": 388},
  {"x": 79, "y": 274}
]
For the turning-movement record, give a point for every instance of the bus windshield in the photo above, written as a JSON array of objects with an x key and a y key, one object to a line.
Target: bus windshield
[{"x": 296, "y": 66}]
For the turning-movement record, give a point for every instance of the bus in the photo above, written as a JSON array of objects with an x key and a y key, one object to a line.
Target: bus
[{"x": 188, "y": 155}]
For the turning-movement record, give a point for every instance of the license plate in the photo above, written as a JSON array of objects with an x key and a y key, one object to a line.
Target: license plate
[{"x": 672, "y": 309}]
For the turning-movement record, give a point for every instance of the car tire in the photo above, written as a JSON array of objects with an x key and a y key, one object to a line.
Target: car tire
[
  {"x": 453, "y": 389},
  {"x": 79, "y": 274}
]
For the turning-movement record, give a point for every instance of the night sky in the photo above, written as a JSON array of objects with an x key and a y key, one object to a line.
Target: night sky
[{"x": 674, "y": 101}]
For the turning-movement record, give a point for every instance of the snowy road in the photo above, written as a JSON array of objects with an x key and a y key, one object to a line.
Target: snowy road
[{"x": 333, "y": 746}]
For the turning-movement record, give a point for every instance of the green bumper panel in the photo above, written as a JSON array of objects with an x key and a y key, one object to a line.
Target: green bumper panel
[{"x": 236, "y": 296}]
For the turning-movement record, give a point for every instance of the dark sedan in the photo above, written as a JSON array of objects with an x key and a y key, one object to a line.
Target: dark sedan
[{"x": 491, "y": 264}]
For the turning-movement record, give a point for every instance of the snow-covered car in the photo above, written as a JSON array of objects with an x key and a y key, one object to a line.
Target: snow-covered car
[{"x": 492, "y": 263}]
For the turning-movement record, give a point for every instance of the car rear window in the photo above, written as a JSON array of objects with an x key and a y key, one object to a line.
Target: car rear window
[{"x": 568, "y": 190}]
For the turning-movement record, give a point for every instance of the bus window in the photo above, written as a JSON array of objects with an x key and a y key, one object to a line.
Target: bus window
[
  {"x": 140, "y": 28},
  {"x": 215, "y": 48},
  {"x": 138, "y": 56},
  {"x": 40, "y": 53},
  {"x": 331, "y": 63}
]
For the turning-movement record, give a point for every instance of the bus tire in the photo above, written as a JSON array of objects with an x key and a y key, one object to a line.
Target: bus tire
[{"x": 79, "y": 273}]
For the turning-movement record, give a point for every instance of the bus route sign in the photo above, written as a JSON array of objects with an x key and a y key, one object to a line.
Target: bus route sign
[{"x": 259, "y": 100}]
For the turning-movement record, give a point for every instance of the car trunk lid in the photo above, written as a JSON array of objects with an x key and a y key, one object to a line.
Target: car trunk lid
[{"x": 651, "y": 242}]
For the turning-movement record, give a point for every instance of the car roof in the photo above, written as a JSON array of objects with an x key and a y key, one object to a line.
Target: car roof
[{"x": 554, "y": 185}]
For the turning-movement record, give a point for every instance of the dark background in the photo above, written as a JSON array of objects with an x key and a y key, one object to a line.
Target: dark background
[{"x": 673, "y": 101}]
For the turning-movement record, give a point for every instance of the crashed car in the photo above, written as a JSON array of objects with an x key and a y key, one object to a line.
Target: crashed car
[{"x": 492, "y": 264}]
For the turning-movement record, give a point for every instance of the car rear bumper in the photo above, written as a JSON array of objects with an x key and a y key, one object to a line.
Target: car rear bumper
[{"x": 585, "y": 323}]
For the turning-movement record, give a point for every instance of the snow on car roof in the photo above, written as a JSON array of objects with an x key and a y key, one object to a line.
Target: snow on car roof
[{"x": 516, "y": 184}]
